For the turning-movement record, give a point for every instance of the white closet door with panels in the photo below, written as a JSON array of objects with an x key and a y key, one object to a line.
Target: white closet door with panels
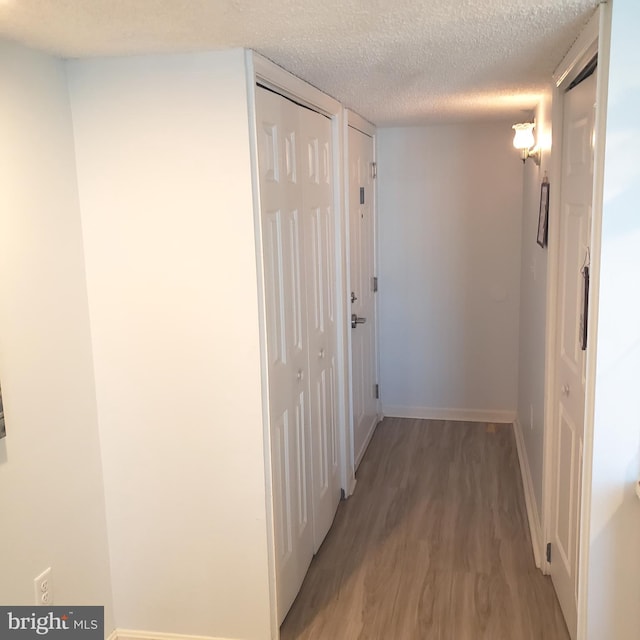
[
  {"x": 319, "y": 233},
  {"x": 296, "y": 198},
  {"x": 281, "y": 195}
]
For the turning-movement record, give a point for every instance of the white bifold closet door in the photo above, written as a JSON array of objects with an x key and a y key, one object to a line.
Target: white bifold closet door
[{"x": 296, "y": 198}]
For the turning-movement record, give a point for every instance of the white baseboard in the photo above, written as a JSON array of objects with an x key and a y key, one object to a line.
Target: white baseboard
[
  {"x": 366, "y": 442},
  {"x": 454, "y": 415},
  {"x": 529, "y": 495},
  {"x": 128, "y": 634}
]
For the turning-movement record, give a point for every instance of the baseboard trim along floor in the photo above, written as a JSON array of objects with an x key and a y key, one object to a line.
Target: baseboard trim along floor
[
  {"x": 128, "y": 634},
  {"x": 454, "y": 415},
  {"x": 529, "y": 495}
]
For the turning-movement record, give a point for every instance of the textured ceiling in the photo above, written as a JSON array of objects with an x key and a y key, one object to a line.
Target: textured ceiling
[{"x": 393, "y": 61}]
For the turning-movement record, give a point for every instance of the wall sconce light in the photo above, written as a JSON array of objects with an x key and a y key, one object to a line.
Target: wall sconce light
[{"x": 523, "y": 141}]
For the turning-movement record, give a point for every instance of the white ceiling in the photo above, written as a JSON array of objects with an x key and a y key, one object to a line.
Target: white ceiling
[{"x": 392, "y": 61}]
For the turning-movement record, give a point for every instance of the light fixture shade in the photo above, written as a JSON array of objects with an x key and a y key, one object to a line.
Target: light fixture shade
[{"x": 523, "y": 139}]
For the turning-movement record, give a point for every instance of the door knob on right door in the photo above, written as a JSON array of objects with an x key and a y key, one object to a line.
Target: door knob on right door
[{"x": 356, "y": 320}]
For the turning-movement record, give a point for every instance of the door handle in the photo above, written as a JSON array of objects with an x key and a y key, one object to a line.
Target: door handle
[
  {"x": 566, "y": 390},
  {"x": 356, "y": 320}
]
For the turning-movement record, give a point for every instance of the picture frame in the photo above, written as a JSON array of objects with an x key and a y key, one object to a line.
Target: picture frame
[{"x": 543, "y": 215}]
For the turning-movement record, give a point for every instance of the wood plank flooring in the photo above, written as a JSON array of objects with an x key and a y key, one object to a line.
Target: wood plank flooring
[{"x": 433, "y": 545}]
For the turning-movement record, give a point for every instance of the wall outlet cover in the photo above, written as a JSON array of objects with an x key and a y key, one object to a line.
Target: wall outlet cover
[{"x": 43, "y": 588}]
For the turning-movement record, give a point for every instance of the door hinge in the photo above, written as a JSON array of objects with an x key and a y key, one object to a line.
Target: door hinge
[
  {"x": 374, "y": 170},
  {"x": 374, "y": 284},
  {"x": 376, "y": 391},
  {"x": 548, "y": 552}
]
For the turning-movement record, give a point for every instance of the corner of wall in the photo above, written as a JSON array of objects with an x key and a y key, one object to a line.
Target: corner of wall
[
  {"x": 178, "y": 206},
  {"x": 544, "y": 130},
  {"x": 533, "y": 305}
]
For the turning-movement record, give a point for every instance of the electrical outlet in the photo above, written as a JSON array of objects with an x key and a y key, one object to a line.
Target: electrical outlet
[{"x": 43, "y": 588}]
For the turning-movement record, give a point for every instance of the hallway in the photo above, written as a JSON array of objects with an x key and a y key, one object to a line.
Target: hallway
[{"x": 434, "y": 544}]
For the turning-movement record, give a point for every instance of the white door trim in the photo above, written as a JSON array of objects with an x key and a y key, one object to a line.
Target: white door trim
[
  {"x": 274, "y": 77},
  {"x": 362, "y": 125},
  {"x": 356, "y": 125},
  {"x": 350, "y": 466},
  {"x": 355, "y": 121},
  {"x": 351, "y": 119},
  {"x": 604, "y": 40},
  {"x": 270, "y": 75},
  {"x": 594, "y": 38}
]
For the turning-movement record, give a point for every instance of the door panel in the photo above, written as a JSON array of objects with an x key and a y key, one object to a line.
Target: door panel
[
  {"x": 280, "y": 450},
  {"x": 296, "y": 194},
  {"x": 274, "y": 284},
  {"x": 362, "y": 271},
  {"x": 297, "y": 303},
  {"x": 573, "y": 248},
  {"x": 576, "y": 191},
  {"x": 289, "y": 415},
  {"x": 565, "y": 526},
  {"x": 319, "y": 234}
]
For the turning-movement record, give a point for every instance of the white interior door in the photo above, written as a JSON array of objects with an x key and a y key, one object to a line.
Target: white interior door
[
  {"x": 298, "y": 228},
  {"x": 362, "y": 272},
  {"x": 576, "y": 192},
  {"x": 289, "y": 413},
  {"x": 319, "y": 251}
]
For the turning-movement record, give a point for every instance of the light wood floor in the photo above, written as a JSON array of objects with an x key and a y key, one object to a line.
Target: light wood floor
[{"x": 434, "y": 544}]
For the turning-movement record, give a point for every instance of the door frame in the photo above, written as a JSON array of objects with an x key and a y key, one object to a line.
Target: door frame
[
  {"x": 259, "y": 69},
  {"x": 594, "y": 39},
  {"x": 355, "y": 121}
]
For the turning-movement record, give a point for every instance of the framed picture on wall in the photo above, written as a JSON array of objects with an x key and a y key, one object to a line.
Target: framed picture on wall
[{"x": 543, "y": 216}]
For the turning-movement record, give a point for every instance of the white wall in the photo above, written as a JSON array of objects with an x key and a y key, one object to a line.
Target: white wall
[
  {"x": 533, "y": 308},
  {"x": 51, "y": 492},
  {"x": 614, "y": 558},
  {"x": 162, "y": 147},
  {"x": 450, "y": 209}
]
